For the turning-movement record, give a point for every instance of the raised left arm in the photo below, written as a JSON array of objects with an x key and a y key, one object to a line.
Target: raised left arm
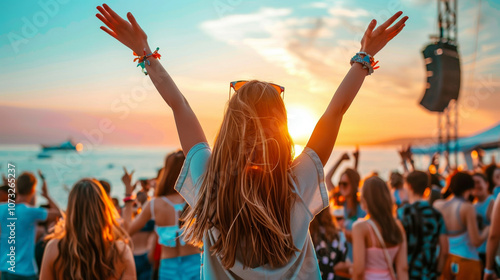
[{"x": 325, "y": 133}]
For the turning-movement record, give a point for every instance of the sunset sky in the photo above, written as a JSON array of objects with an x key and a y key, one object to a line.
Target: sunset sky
[{"x": 63, "y": 77}]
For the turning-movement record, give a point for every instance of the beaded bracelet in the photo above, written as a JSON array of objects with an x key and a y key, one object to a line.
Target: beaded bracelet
[
  {"x": 366, "y": 60},
  {"x": 141, "y": 60}
]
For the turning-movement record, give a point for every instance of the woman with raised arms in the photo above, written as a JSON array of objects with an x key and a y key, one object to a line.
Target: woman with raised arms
[{"x": 251, "y": 201}]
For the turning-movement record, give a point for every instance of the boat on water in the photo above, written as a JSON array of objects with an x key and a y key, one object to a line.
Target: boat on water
[{"x": 64, "y": 146}]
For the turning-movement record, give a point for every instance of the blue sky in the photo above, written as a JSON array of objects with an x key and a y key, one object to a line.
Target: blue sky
[{"x": 56, "y": 58}]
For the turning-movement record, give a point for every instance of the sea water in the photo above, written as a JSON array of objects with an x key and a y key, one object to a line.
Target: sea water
[{"x": 63, "y": 168}]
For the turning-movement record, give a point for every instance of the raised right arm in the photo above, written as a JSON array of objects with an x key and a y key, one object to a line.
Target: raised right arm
[
  {"x": 328, "y": 179},
  {"x": 131, "y": 35},
  {"x": 325, "y": 133}
]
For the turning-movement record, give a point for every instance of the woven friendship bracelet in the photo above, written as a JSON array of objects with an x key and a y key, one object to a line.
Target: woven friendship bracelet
[{"x": 142, "y": 60}]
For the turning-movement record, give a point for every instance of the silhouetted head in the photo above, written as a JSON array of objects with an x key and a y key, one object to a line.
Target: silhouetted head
[
  {"x": 418, "y": 182},
  {"x": 26, "y": 184},
  {"x": 461, "y": 184},
  {"x": 396, "y": 180}
]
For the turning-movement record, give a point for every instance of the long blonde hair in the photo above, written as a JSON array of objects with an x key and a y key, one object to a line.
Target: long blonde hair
[
  {"x": 88, "y": 235},
  {"x": 246, "y": 193}
]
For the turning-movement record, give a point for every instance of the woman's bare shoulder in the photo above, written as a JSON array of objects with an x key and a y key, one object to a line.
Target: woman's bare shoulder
[
  {"x": 125, "y": 265},
  {"x": 438, "y": 203},
  {"x": 121, "y": 245},
  {"x": 52, "y": 246},
  {"x": 360, "y": 225},
  {"x": 51, "y": 250}
]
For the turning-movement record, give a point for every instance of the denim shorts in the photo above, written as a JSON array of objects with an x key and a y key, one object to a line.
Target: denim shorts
[{"x": 180, "y": 268}]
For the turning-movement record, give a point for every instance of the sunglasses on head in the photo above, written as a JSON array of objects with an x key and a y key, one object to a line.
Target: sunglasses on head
[
  {"x": 236, "y": 85},
  {"x": 343, "y": 184}
]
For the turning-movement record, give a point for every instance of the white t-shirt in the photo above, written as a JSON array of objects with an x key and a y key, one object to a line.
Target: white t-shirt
[{"x": 312, "y": 197}]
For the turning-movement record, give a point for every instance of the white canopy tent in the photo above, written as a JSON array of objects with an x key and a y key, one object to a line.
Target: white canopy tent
[{"x": 487, "y": 139}]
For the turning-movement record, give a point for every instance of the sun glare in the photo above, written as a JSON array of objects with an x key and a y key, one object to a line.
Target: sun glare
[
  {"x": 298, "y": 149},
  {"x": 301, "y": 123}
]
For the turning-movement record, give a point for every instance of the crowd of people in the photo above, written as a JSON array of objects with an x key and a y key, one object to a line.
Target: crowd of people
[
  {"x": 402, "y": 227},
  {"x": 247, "y": 208},
  {"x": 371, "y": 229}
]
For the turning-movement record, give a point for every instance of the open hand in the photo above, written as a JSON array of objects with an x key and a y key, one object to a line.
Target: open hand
[
  {"x": 374, "y": 40},
  {"x": 128, "y": 32},
  {"x": 127, "y": 181}
]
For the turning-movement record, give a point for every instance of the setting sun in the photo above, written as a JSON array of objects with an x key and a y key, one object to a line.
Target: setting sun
[{"x": 301, "y": 123}]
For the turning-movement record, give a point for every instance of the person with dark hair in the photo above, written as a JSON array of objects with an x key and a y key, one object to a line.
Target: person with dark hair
[
  {"x": 436, "y": 188},
  {"x": 399, "y": 194},
  {"x": 379, "y": 242},
  {"x": 330, "y": 246},
  {"x": 483, "y": 204},
  {"x": 463, "y": 234},
  {"x": 492, "y": 173},
  {"x": 425, "y": 229},
  {"x": 142, "y": 197},
  {"x": 178, "y": 259},
  {"x": 330, "y": 187},
  {"x": 348, "y": 187},
  {"x": 106, "y": 186},
  {"x": 24, "y": 226}
]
